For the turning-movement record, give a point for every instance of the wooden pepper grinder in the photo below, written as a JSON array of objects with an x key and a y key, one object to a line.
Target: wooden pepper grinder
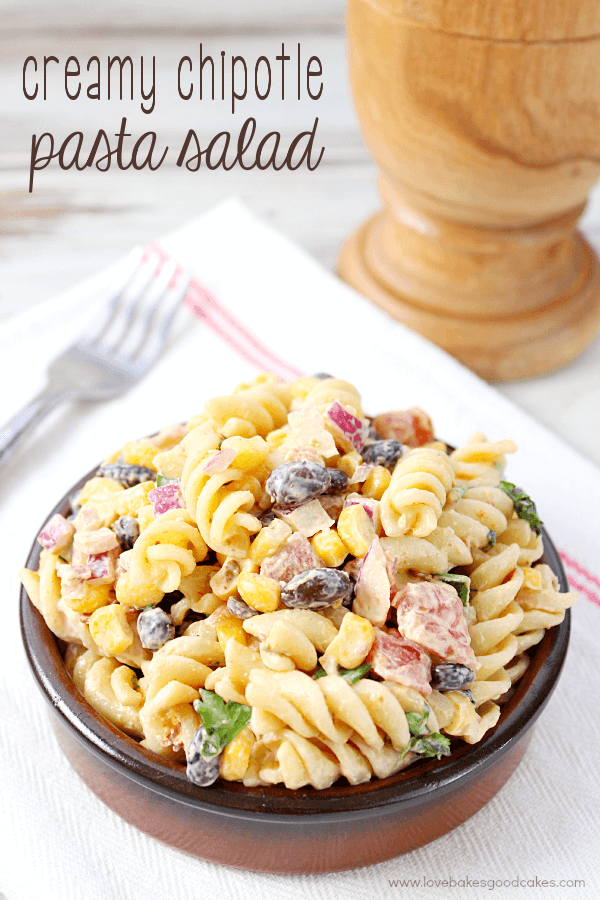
[{"x": 483, "y": 117}]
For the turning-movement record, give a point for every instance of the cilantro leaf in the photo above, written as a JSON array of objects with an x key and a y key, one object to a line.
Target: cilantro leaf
[
  {"x": 492, "y": 537},
  {"x": 222, "y": 721},
  {"x": 162, "y": 479},
  {"x": 524, "y": 506},
  {"x": 460, "y": 583},
  {"x": 435, "y": 744},
  {"x": 351, "y": 675},
  {"x": 421, "y": 742},
  {"x": 417, "y": 721}
]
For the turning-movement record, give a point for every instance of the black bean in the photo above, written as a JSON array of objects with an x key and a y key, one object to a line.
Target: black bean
[
  {"x": 295, "y": 483},
  {"x": 202, "y": 770},
  {"x": 451, "y": 676},
  {"x": 267, "y": 517},
  {"x": 315, "y": 589},
  {"x": 339, "y": 481},
  {"x": 125, "y": 474},
  {"x": 240, "y": 608},
  {"x": 170, "y": 600},
  {"x": 322, "y": 376},
  {"x": 382, "y": 453},
  {"x": 349, "y": 599},
  {"x": 155, "y": 627},
  {"x": 127, "y": 530}
]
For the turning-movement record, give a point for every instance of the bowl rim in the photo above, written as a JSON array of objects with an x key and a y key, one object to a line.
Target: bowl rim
[{"x": 408, "y": 788}]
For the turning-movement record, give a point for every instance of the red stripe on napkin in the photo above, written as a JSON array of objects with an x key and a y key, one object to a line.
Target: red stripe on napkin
[
  {"x": 230, "y": 329},
  {"x": 581, "y": 579}
]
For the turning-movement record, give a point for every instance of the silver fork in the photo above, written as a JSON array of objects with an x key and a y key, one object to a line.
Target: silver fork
[{"x": 127, "y": 343}]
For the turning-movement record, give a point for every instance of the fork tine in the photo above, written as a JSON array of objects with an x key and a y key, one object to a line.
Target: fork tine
[
  {"x": 141, "y": 311},
  {"x": 130, "y": 310},
  {"x": 158, "y": 320},
  {"x": 115, "y": 304}
]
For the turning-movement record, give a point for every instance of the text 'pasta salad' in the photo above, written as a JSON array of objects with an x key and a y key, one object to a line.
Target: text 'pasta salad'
[{"x": 287, "y": 591}]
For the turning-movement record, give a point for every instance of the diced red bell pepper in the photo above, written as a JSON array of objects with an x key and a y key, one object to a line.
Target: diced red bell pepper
[
  {"x": 431, "y": 614},
  {"x": 412, "y": 426},
  {"x": 396, "y": 658}
]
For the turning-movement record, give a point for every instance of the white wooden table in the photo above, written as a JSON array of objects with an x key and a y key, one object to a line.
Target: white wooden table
[{"x": 75, "y": 223}]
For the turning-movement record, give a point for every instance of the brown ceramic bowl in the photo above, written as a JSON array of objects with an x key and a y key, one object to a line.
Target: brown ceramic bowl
[{"x": 274, "y": 829}]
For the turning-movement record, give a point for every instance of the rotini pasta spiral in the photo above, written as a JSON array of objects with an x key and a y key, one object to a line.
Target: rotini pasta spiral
[
  {"x": 171, "y": 682},
  {"x": 329, "y": 706},
  {"x": 166, "y": 550},
  {"x": 323, "y": 392},
  {"x": 520, "y": 532},
  {"x": 220, "y": 500},
  {"x": 543, "y": 605},
  {"x": 458, "y": 717},
  {"x": 295, "y": 762},
  {"x": 97, "y": 683},
  {"x": 413, "y": 502},
  {"x": 497, "y": 582},
  {"x": 479, "y": 463},
  {"x": 256, "y": 408},
  {"x": 478, "y": 512}
]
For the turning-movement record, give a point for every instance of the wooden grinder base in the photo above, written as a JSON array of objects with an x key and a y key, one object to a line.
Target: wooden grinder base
[{"x": 484, "y": 120}]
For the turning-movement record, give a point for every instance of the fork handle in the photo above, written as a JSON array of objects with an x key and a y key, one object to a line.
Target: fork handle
[{"x": 26, "y": 419}]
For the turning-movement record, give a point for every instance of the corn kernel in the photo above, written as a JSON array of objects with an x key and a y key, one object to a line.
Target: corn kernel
[
  {"x": 129, "y": 501},
  {"x": 330, "y": 547},
  {"x": 356, "y": 529},
  {"x": 276, "y": 438},
  {"x": 533, "y": 579},
  {"x": 351, "y": 645},
  {"x": 259, "y": 591},
  {"x": 228, "y": 626},
  {"x": 137, "y": 597},
  {"x": 91, "y": 597},
  {"x": 170, "y": 463},
  {"x": 236, "y": 756},
  {"x": 251, "y": 452},
  {"x": 376, "y": 483},
  {"x": 139, "y": 453},
  {"x": 349, "y": 463},
  {"x": 110, "y": 629},
  {"x": 98, "y": 489},
  {"x": 268, "y": 540}
]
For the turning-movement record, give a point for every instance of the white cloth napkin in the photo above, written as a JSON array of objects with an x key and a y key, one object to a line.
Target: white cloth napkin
[{"x": 276, "y": 308}]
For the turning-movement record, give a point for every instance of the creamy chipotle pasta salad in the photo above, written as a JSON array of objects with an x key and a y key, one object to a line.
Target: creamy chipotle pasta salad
[{"x": 288, "y": 591}]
